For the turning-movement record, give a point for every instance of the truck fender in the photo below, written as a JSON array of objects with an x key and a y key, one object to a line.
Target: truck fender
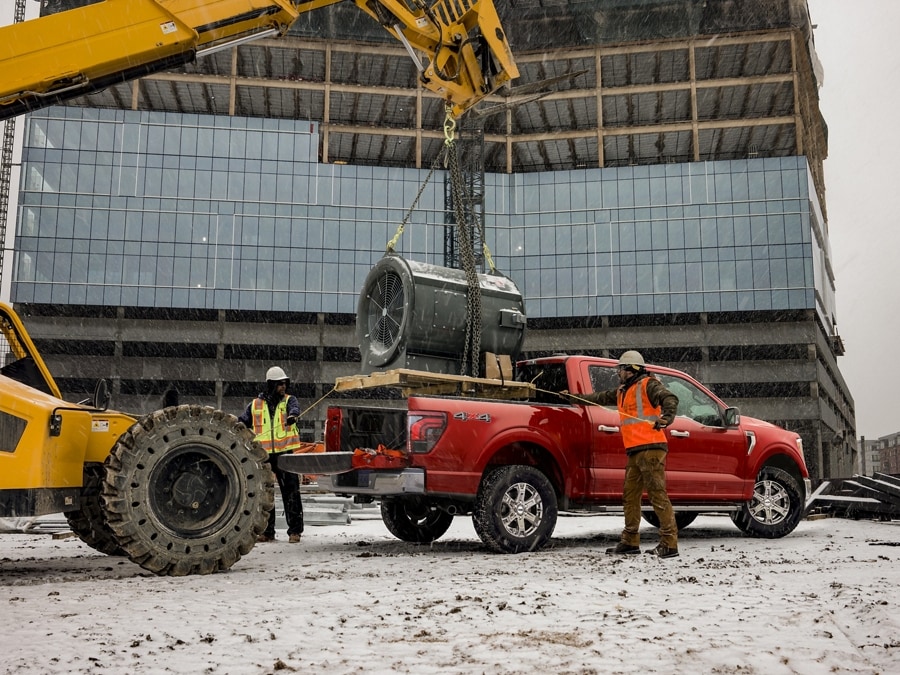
[
  {"x": 525, "y": 445},
  {"x": 778, "y": 455}
]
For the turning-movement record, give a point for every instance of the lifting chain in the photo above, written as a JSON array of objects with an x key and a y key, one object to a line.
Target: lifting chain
[
  {"x": 465, "y": 243},
  {"x": 393, "y": 242}
]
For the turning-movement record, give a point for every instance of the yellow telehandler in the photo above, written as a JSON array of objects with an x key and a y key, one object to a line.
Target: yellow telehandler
[{"x": 183, "y": 490}]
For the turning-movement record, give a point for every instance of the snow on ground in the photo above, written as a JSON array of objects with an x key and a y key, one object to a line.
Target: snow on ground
[{"x": 352, "y": 599}]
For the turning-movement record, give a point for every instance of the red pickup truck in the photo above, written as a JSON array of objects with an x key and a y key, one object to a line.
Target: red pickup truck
[{"x": 513, "y": 465}]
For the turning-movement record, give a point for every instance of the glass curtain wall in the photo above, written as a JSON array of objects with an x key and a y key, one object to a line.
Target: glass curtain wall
[{"x": 193, "y": 211}]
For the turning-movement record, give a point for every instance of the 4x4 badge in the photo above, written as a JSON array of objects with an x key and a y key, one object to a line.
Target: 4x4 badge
[{"x": 464, "y": 417}]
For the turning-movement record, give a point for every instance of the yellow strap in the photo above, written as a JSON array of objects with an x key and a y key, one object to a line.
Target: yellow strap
[
  {"x": 487, "y": 254},
  {"x": 393, "y": 242}
]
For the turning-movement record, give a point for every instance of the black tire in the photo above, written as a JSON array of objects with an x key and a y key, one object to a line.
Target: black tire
[
  {"x": 776, "y": 507},
  {"x": 683, "y": 519},
  {"x": 414, "y": 520},
  {"x": 515, "y": 509},
  {"x": 89, "y": 520},
  {"x": 187, "y": 491}
]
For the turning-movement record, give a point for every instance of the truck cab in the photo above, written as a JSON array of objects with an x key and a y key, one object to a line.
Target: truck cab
[{"x": 711, "y": 445}]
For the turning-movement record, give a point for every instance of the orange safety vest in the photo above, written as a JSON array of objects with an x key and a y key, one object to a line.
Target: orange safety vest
[
  {"x": 637, "y": 416},
  {"x": 274, "y": 437}
]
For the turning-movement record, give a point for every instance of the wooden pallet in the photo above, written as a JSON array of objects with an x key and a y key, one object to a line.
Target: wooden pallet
[{"x": 420, "y": 382}]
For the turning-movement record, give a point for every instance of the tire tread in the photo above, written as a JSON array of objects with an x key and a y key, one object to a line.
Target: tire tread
[{"x": 126, "y": 503}]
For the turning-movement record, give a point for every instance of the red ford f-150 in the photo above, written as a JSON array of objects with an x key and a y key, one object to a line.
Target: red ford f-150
[{"x": 513, "y": 465}]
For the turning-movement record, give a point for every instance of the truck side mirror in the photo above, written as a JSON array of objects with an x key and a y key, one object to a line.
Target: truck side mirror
[{"x": 732, "y": 417}]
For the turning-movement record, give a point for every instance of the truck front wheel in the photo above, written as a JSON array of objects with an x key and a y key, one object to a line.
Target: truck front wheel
[
  {"x": 775, "y": 508},
  {"x": 515, "y": 509},
  {"x": 187, "y": 491},
  {"x": 414, "y": 520}
]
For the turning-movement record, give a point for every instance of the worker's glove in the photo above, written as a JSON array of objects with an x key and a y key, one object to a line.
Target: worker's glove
[
  {"x": 290, "y": 420},
  {"x": 661, "y": 423}
]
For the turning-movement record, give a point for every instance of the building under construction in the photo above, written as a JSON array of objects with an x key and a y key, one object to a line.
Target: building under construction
[{"x": 652, "y": 181}]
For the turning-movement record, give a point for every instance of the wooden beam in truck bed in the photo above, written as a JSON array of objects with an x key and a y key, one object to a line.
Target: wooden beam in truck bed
[{"x": 420, "y": 382}]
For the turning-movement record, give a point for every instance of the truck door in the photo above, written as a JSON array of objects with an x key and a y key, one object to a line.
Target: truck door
[
  {"x": 557, "y": 418},
  {"x": 607, "y": 451},
  {"x": 705, "y": 458}
]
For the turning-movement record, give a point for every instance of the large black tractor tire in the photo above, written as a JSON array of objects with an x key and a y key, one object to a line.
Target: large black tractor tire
[
  {"x": 187, "y": 491},
  {"x": 89, "y": 520},
  {"x": 414, "y": 520},
  {"x": 776, "y": 507},
  {"x": 682, "y": 518},
  {"x": 515, "y": 509}
]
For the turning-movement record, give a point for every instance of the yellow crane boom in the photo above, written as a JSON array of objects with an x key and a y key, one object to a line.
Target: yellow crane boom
[{"x": 72, "y": 53}]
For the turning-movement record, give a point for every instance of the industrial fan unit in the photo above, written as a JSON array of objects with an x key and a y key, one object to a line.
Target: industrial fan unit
[{"x": 413, "y": 315}]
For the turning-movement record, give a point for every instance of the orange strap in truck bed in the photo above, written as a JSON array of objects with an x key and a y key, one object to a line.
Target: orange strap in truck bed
[{"x": 379, "y": 458}]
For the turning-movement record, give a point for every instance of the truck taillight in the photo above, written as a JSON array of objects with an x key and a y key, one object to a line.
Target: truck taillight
[
  {"x": 425, "y": 430},
  {"x": 333, "y": 420}
]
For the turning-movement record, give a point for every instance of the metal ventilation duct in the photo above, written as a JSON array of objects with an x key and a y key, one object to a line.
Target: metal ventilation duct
[{"x": 413, "y": 315}]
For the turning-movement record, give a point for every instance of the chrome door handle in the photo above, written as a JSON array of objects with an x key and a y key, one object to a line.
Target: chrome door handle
[
  {"x": 603, "y": 427},
  {"x": 682, "y": 434}
]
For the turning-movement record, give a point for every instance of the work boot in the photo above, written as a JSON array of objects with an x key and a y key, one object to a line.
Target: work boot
[
  {"x": 265, "y": 538},
  {"x": 623, "y": 549},
  {"x": 662, "y": 551},
  {"x": 294, "y": 538}
]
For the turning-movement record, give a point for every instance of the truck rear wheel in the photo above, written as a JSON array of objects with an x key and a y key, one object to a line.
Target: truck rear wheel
[
  {"x": 187, "y": 491},
  {"x": 775, "y": 508},
  {"x": 89, "y": 521},
  {"x": 414, "y": 520},
  {"x": 515, "y": 509}
]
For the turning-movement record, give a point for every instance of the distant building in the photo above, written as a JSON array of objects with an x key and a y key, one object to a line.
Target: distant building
[
  {"x": 185, "y": 231},
  {"x": 882, "y": 455}
]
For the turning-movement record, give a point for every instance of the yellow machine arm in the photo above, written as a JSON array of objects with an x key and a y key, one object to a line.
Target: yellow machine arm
[{"x": 61, "y": 56}]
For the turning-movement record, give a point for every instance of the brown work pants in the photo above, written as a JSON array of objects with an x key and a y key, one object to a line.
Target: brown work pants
[{"x": 646, "y": 470}]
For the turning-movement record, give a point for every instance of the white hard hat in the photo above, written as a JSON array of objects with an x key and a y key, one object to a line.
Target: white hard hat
[
  {"x": 633, "y": 359},
  {"x": 276, "y": 374}
]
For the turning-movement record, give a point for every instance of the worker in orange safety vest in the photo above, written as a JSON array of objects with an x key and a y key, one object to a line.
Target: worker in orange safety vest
[{"x": 645, "y": 408}]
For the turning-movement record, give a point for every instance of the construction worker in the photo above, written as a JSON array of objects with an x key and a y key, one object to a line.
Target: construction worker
[
  {"x": 645, "y": 407},
  {"x": 272, "y": 416}
]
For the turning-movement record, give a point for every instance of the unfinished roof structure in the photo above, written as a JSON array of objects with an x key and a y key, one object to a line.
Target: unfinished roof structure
[{"x": 602, "y": 84}]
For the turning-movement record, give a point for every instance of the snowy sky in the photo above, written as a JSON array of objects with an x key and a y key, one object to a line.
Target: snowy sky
[{"x": 856, "y": 45}]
